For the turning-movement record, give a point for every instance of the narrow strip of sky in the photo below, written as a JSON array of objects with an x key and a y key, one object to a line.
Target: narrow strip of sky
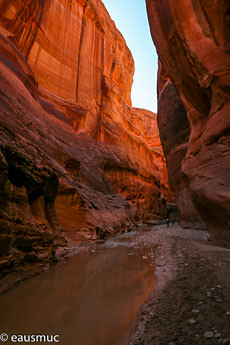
[{"x": 131, "y": 20}]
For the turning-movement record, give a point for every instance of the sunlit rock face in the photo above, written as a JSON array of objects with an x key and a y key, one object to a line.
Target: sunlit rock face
[
  {"x": 192, "y": 40},
  {"x": 143, "y": 180},
  {"x": 75, "y": 52},
  {"x": 75, "y": 156}
]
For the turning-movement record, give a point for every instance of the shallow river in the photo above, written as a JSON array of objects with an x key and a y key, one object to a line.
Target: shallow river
[{"x": 90, "y": 300}]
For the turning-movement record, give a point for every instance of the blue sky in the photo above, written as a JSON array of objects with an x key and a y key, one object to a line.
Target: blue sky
[{"x": 131, "y": 19}]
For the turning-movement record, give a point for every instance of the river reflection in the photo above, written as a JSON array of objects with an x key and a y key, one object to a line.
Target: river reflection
[{"x": 91, "y": 300}]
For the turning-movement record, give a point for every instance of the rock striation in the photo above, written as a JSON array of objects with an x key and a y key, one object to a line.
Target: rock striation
[
  {"x": 192, "y": 41},
  {"x": 77, "y": 161}
]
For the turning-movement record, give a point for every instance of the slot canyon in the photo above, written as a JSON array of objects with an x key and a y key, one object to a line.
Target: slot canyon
[{"x": 114, "y": 220}]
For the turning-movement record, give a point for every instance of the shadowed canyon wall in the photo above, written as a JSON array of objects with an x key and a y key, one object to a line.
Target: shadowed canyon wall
[
  {"x": 174, "y": 132},
  {"x": 77, "y": 161},
  {"x": 192, "y": 41}
]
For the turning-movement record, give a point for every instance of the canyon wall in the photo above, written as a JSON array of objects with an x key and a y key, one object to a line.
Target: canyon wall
[
  {"x": 77, "y": 161},
  {"x": 174, "y": 132},
  {"x": 192, "y": 41}
]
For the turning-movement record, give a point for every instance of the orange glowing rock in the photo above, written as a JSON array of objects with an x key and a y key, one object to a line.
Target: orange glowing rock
[{"x": 75, "y": 155}]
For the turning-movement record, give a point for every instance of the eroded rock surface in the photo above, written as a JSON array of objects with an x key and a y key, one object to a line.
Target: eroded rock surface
[
  {"x": 192, "y": 40},
  {"x": 174, "y": 132},
  {"x": 75, "y": 156}
]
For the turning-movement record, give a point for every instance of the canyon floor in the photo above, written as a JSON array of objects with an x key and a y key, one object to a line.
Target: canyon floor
[
  {"x": 191, "y": 302},
  {"x": 152, "y": 286}
]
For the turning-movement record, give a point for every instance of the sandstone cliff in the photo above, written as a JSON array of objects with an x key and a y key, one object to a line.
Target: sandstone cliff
[
  {"x": 192, "y": 40},
  {"x": 77, "y": 161},
  {"x": 174, "y": 132}
]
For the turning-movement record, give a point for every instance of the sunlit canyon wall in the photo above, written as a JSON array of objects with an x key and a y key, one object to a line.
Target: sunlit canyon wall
[
  {"x": 77, "y": 161},
  {"x": 192, "y": 41}
]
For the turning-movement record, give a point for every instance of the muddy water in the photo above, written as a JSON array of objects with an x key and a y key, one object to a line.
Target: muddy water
[{"x": 91, "y": 300}]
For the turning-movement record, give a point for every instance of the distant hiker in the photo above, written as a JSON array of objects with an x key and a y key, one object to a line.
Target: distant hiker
[{"x": 171, "y": 216}]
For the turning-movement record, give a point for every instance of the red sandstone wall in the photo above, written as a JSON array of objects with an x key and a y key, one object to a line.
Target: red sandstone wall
[
  {"x": 192, "y": 40},
  {"x": 174, "y": 132},
  {"x": 75, "y": 52},
  {"x": 77, "y": 160}
]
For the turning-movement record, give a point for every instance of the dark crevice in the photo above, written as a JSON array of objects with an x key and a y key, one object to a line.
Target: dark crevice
[
  {"x": 16, "y": 177},
  {"x": 214, "y": 139},
  {"x": 22, "y": 174}
]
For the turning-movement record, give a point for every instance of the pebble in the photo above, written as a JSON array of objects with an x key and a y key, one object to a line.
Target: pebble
[
  {"x": 144, "y": 257},
  {"x": 195, "y": 311},
  {"x": 191, "y": 321},
  {"x": 217, "y": 335},
  {"x": 228, "y": 313},
  {"x": 208, "y": 335},
  {"x": 46, "y": 268},
  {"x": 209, "y": 294}
]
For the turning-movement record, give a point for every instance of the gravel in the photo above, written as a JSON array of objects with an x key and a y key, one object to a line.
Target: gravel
[{"x": 191, "y": 301}]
